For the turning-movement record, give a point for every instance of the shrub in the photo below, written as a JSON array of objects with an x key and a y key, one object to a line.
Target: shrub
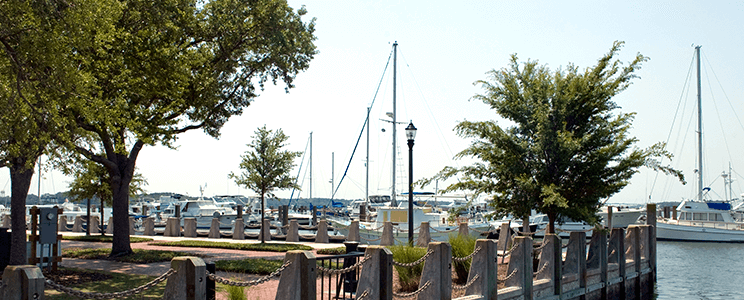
[
  {"x": 235, "y": 292},
  {"x": 462, "y": 246},
  {"x": 409, "y": 277}
]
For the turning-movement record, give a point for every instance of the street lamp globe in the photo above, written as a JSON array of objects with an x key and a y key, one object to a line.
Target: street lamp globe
[{"x": 411, "y": 132}]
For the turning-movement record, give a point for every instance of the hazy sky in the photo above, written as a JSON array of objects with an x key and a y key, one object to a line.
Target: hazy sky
[{"x": 444, "y": 47}]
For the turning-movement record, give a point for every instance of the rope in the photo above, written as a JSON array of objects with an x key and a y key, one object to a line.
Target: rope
[
  {"x": 507, "y": 277},
  {"x": 467, "y": 285},
  {"x": 411, "y": 264},
  {"x": 345, "y": 270},
  {"x": 443, "y": 231},
  {"x": 541, "y": 246},
  {"x": 508, "y": 252},
  {"x": 371, "y": 240},
  {"x": 467, "y": 257},
  {"x": 248, "y": 283},
  {"x": 481, "y": 231},
  {"x": 415, "y": 293},
  {"x": 127, "y": 293},
  {"x": 363, "y": 295}
]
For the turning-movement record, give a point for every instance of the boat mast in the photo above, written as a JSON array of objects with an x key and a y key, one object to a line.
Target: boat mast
[
  {"x": 366, "y": 161},
  {"x": 311, "y": 167},
  {"x": 700, "y": 128},
  {"x": 393, "y": 202}
]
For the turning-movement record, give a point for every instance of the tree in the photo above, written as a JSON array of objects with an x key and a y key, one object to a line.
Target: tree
[
  {"x": 147, "y": 71},
  {"x": 266, "y": 167},
  {"x": 568, "y": 148}
]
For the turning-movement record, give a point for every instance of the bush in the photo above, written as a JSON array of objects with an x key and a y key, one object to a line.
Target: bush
[
  {"x": 462, "y": 246},
  {"x": 235, "y": 292},
  {"x": 409, "y": 277}
]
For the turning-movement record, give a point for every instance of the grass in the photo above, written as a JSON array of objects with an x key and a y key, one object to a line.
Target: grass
[
  {"x": 250, "y": 265},
  {"x": 332, "y": 251},
  {"x": 272, "y": 247},
  {"x": 117, "y": 283},
  {"x": 409, "y": 276},
  {"x": 139, "y": 256},
  {"x": 103, "y": 238},
  {"x": 462, "y": 246}
]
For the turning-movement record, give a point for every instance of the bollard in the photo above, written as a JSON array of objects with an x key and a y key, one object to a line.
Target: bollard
[
  {"x": 437, "y": 272},
  {"x": 353, "y": 232},
  {"x": 387, "y": 235},
  {"x": 110, "y": 226},
  {"x": 190, "y": 280},
  {"x": 315, "y": 215},
  {"x": 22, "y": 283},
  {"x": 131, "y": 227},
  {"x": 189, "y": 227},
  {"x": 424, "y": 235},
  {"x": 239, "y": 209},
  {"x": 293, "y": 235},
  {"x": 463, "y": 230},
  {"x": 297, "y": 281},
  {"x": 521, "y": 261},
  {"x": 238, "y": 229},
  {"x": 551, "y": 258},
  {"x": 172, "y": 227},
  {"x": 484, "y": 264},
  {"x": 78, "y": 225},
  {"x": 266, "y": 230},
  {"x": 376, "y": 278},
  {"x": 149, "y": 226},
  {"x": 93, "y": 225},
  {"x": 62, "y": 223},
  {"x": 321, "y": 236},
  {"x": 214, "y": 228}
]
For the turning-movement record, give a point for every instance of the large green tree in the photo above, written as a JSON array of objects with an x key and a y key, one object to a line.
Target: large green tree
[
  {"x": 266, "y": 167},
  {"x": 568, "y": 147}
]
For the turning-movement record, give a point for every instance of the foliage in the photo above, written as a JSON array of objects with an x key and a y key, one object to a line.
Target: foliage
[
  {"x": 462, "y": 246},
  {"x": 332, "y": 251},
  {"x": 139, "y": 256},
  {"x": 91, "y": 180},
  {"x": 568, "y": 147},
  {"x": 266, "y": 167},
  {"x": 235, "y": 292},
  {"x": 271, "y": 247},
  {"x": 102, "y": 238},
  {"x": 259, "y": 266},
  {"x": 117, "y": 283},
  {"x": 409, "y": 277}
]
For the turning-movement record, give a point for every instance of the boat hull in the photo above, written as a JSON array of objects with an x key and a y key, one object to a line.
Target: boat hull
[{"x": 699, "y": 232}]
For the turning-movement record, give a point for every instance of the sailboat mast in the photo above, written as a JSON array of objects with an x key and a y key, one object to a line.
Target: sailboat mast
[
  {"x": 311, "y": 166},
  {"x": 700, "y": 128},
  {"x": 395, "y": 114},
  {"x": 366, "y": 161}
]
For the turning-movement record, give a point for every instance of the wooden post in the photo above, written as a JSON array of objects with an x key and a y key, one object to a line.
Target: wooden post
[
  {"x": 651, "y": 240},
  {"x": 635, "y": 235},
  {"x": 618, "y": 237},
  {"x": 190, "y": 280},
  {"x": 297, "y": 281}
]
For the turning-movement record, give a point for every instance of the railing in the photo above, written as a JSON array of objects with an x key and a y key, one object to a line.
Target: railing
[{"x": 338, "y": 275}]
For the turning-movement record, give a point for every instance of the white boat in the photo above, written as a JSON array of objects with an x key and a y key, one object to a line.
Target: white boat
[
  {"x": 702, "y": 220},
  {"x": 563, "y": 227},
  {"x": 203, "y": 210},
  {"x": 622, "y": 216}
]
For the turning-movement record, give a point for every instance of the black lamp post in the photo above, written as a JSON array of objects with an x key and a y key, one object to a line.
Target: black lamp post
[{"x": 411, "y": 135}]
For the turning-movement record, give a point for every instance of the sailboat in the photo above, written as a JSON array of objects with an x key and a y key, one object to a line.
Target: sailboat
[
  {"x": 398, "y": 211},
  {"x": 701, "y": 220}
]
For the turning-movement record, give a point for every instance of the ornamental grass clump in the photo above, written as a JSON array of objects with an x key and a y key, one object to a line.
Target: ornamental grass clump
[
  {"x": 408, "y": 277},
  {"x": 462, "y": 246}
]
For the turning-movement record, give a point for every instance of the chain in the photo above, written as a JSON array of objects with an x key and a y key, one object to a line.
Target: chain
[
  {"x": 248, "y": 283},
  {"x": 508, "y": 252},
  {"x": 467, "y": 285},
  {"x": 467, "y": 257},
  {"x": 127, "y": 293},
  {"x": 444, "y": 231},
  {"x": 567, "y": 244},
  {"x": 420, "y": 260},
  {"x": 308, "y": 227},
  {"x": 363, "y": 295},
  {"x": 342, "y": 226},
  {"x": 507, "y": 277},
  {"x": 409, "y": 295},
  {"x": 541, "y": 246},
  {"x": 481, "y": 231},
  {"x": 545, "y": 266},
  {"x": 345, "y": 270}
]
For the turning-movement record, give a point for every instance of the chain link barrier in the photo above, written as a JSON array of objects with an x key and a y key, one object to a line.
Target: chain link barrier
[
  {"x": 411, "y": 264},
  {"x": 467, "y": 285},
  {"x": 344, "y": 270},
  {"x": 261, "y": 280},
  {"x": 123, "y": 294},
  {"x": 444, "y": 231},
  {"x": 415, "y": 293},
  {"x": 507, "y": 277},
  {"x": 544, "y": 266},
  {"x": 458, "y": 259}
]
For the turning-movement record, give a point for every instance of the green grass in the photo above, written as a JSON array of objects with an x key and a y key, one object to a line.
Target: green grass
[
  {"x": 462, "y": 246},
  {"x": 332, "y": 251},
  {"x": 102, "y": 238},
  {"x": 118, "y": 283},
  {"x": 139, "y": 256},
  {"x": 272, "y": 247},
  {"x": 250, "y": 266},
  {"x": 409, "y": 276}
]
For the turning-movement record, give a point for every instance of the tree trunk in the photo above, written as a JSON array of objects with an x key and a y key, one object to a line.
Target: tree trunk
[
  {"x": 20, "y": 178},
  {"x": 120, "y": 208},
  {"x": 263, "y": 240},
  {"x": 551, "y": 223}
]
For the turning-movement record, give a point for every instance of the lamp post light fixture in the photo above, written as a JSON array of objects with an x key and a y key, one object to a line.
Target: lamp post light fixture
[{"x": 411, "y": 135}]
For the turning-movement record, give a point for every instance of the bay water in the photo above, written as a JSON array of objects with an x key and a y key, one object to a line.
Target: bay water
[{"x": 699, "y": 271}]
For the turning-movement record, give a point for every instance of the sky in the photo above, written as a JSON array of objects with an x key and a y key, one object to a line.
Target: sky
[{"x": 443, "y": 48}]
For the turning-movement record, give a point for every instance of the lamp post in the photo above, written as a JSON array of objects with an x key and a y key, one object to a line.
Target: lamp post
[{"x": 411, "y": 135}]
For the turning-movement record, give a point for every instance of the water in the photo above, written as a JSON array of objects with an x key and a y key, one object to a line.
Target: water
[{"x": 699, "y": 271}]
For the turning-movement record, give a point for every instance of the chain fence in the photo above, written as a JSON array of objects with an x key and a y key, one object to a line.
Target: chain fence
[
  {"x": 458, "y": 259},
  {"x": 123, "y": 294},
  {"x": 467, "y": 285},
  {"x": 411, "y": 264},
  {"x": 414, "y": 293},
  {"x": 261, "y": 280}
]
